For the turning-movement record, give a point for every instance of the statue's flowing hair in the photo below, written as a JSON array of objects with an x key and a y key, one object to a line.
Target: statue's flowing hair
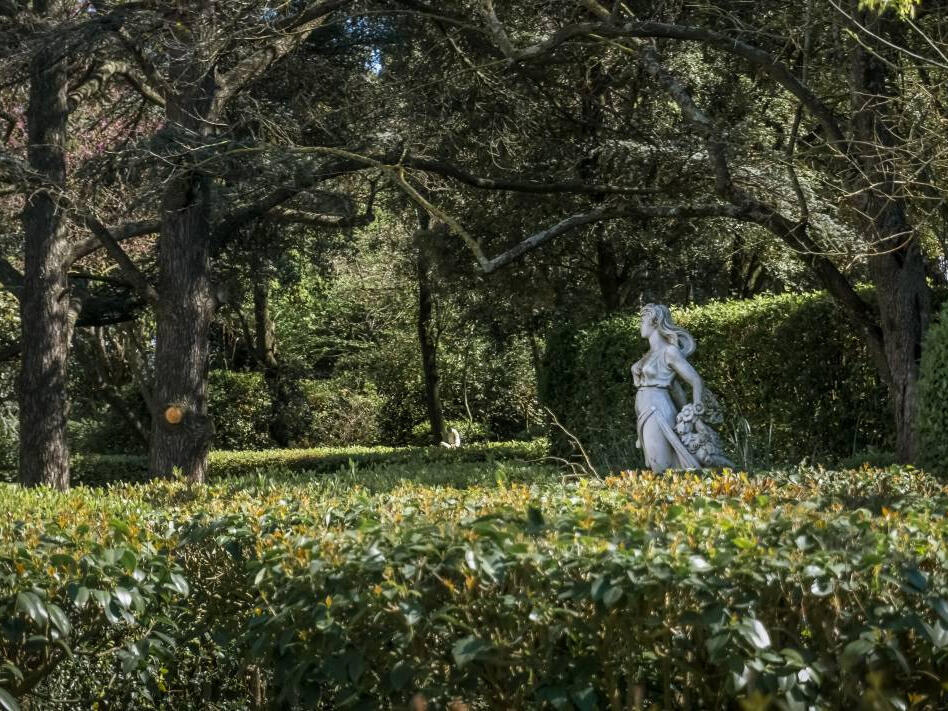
[{"x": 667, "y": 328}]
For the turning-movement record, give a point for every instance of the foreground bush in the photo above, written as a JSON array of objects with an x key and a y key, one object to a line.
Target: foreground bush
[
  {"x": 793, "y": 376},
  {"x": 803, "y": 589}
]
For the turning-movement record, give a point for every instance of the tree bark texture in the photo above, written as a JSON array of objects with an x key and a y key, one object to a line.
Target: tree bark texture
[
  {"x": 45, "y": 314},
  {"x": 263, "y": 324},
  {"x": 182, "y": 431},
  {"x": 427, "y": 339},
  {"x": 896, "y": 266}
]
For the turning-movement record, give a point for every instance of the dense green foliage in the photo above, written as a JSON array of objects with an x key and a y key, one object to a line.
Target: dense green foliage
[
  {"x": 244, "y": 402},
  {"x": 327, "y": 412},
  {"x": 496, "y": 584},
  {"x": 792, "y": 377},
  {"x": 933, "y": 397}
]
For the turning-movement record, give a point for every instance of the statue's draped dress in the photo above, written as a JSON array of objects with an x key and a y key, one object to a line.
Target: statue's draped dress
[{"x": 656, "y": 413}]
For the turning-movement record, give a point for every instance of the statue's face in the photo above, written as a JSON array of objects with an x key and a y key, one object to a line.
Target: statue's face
[{"x": 648, "y": 324}]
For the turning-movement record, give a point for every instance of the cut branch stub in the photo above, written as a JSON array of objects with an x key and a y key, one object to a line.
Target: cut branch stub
[{"x": 174, "y": 414}]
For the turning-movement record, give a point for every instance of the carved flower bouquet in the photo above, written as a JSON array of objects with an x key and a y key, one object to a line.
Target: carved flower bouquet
[{"x": 693, "y": 426}]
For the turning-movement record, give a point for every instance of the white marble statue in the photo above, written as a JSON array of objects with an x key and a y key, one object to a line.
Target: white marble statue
[
  {"x": 454, "y": 439},
  {"x": 673, "y": 433}
]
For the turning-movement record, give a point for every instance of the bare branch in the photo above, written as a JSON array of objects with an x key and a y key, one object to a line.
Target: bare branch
[
  {"x": 291, "y": 33},
  {"x": 129, "y": 269},
  {"x": 150, "y": 72},
  {"x": 776, "y": 70},
  {"x": 10, "y": 277},
  {"x": 15, "y": 171},
  {"x": 793, "y": 234},
  {"x": 497, "y": 31},
  {"x": 606, "y": 213},
  {"x": 515, "y": 184},
  {"x": 11, "y": 125},
  {"x": 120, "y": 233},
  {"x": 96, "y": 80},
  {"x": 317, "y": 219}
]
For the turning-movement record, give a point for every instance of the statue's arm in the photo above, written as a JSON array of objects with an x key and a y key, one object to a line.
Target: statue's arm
[
  {"x": 677, "y": 362},
  {"x": 637, "y": 367},
  {"x": 678, "y": 395}
]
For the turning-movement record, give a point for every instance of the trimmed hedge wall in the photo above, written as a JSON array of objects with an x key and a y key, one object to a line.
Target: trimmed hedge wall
[
  {"x": 794, "y": 378},
  {"x": 104, "y": 469},
  {"x": 479, "y": 587},
  {"x": 933, "y": 398}
]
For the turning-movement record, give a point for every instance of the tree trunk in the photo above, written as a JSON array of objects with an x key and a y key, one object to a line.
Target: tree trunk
[
  {"x": 263, "y": 324},
  {"x": 182, "y": 431},
  {"x": 283, "y": 391},
  {"x": 45, "y": 314},
  {"x": 904, "y": 306},
  {"x": 427, "y": 340},
  {"x": 896, "y": 266},
  {"x": 607, "y": 271}
]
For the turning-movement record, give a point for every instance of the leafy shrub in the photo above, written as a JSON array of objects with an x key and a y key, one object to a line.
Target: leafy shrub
[
  {"x": 933, "y": 397},
  {"x": 240, "y": 404},
  {"x": 100, "y": 470},
  {"x": 339, "y": 413},
  {"x": 108, "y": 432},
  {"x": 788, "y": 366},
  {"x": 508, "y": 589}
]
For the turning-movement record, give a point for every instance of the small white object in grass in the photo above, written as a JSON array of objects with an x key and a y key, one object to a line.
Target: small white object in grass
[{"x": 454, "y": 439}]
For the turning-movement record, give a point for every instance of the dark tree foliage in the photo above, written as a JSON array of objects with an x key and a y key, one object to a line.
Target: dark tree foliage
[{"x": 183, "y": 162}]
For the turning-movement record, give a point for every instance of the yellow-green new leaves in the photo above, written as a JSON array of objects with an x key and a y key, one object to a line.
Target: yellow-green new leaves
[{"x": 905, "y": 8}]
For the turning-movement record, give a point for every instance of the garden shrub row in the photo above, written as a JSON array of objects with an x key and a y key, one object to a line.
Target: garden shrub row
[
  {"x": 806, "y": 589},
  {"x": 791, "y": 372},
  {"x": 98, "y": 470}
]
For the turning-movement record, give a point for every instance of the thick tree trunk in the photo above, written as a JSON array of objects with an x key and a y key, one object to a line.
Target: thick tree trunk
[
  {"x": 896, "y": 266},
  {"x": 904, "y": 306},
  {"x": 427, "y": 340},
  {"x": 45, "y": 314},
  {"x": 182, "y": 431}
]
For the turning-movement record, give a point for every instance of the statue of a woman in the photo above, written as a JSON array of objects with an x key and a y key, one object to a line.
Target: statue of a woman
[{"x": 673, "y": 433}]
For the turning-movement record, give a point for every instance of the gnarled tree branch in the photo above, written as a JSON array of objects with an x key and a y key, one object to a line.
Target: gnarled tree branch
[
  {"x": 128, "y": 268},
  {"x": 606, "y": 213}
]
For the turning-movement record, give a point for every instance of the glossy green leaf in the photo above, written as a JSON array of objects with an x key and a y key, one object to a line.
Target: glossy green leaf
[{"x": 7, "y": 702}]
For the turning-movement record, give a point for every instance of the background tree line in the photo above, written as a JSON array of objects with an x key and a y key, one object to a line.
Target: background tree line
[{"x": 317, "y": 191}]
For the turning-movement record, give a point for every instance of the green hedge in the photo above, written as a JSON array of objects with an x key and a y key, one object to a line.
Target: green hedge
[
  {"x": 509, "y": 589},
  {"x": 102, "y": 469},
  {"x": 789, "y": 368},
  {"x": 933, "y": 397}
]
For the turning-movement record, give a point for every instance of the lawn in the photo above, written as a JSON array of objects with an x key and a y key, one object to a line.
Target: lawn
[{"x": 496, "y": 584}]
